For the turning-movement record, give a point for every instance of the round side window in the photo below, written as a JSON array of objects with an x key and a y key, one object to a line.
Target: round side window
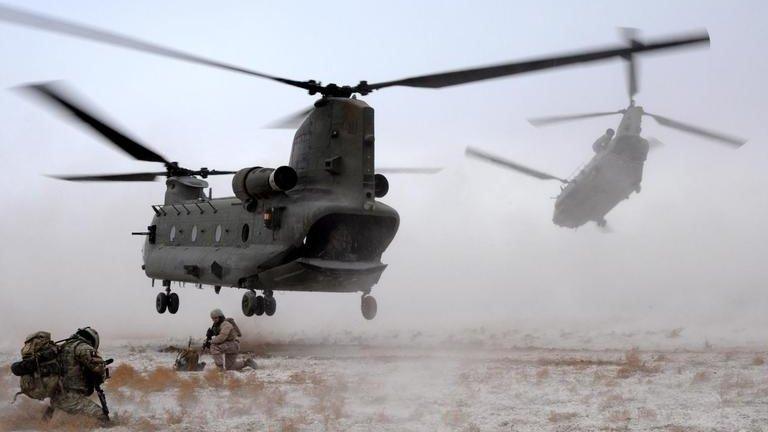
[
  {"x": 246, "y": 231},
  {"x": 217, "y": 234},
  {"x": 173, "y": 233},
  {"x": 193, "y": 236}
]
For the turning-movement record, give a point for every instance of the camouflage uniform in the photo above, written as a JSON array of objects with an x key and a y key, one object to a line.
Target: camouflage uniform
[
  {"x": 225, "y": 347},
  {"x": 81, "y": 368},
  {"x": 224, "y": 343}
]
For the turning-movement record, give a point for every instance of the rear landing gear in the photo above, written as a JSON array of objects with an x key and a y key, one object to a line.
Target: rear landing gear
[
  {"x": 167, "y": 301},
  {"x": 253, "y": 304},
  {"x": 368, "y": 307},
  {"x": 270, "y": 305}
]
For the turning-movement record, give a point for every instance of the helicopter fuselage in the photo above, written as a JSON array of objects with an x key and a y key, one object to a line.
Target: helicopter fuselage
[
  {"x": 326, "y": 234},
  {"x": 609, "y": 177}
]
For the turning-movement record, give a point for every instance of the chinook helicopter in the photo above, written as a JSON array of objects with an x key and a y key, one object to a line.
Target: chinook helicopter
[
  {"x": 315, "y": 224},
  {"x": 616, "y": 169}
]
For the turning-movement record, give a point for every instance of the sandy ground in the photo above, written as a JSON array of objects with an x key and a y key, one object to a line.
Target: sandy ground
[{"x": 478, "y": 381}]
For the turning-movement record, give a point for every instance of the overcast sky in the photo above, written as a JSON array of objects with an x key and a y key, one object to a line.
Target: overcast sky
[{"x": 476, "y": 244}]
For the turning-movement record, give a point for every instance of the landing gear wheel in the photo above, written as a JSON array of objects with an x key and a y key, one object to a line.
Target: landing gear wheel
[
  {"x": 270, "y": 305},
  {"x": 173, "y": 303},
  {"x": 161, "y": 302},
  {"x": 368, "y": 307},
  {"x": 248, "y": 303},
  {"x": 259, "y": 306}
]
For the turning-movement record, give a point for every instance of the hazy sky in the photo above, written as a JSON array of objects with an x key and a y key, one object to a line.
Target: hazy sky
[{"x": 476, "y": 244}]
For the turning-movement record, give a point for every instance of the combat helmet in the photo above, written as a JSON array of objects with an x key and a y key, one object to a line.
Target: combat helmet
[{"x": 90, "y": 335}]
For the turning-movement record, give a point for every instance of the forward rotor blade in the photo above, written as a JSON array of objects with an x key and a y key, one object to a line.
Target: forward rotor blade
[
  {"x": 216, "y": 172},
  {"x": 545, "y": 121},
  {"x": 509, "y": 164},
  {"x": 130, "y": 177},
  {"x": 409, "y": 170},
  {"x": 53, "y": 94},
  {"x": 730, "y": 140},
  {"x": 60, "y": 26},
  {"x": 483, "y": 73},
  {"x": 291, "y": 121}
]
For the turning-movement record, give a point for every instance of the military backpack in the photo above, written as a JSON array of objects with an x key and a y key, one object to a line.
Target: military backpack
[
  {"x": 234, "y": 325},
  {"x": 39, "y": 366}
]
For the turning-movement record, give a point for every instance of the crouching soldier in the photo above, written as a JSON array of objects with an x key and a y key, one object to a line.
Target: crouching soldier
[
  {"x": 82, "y": 369},
  {"x": 223, "y": 341}
]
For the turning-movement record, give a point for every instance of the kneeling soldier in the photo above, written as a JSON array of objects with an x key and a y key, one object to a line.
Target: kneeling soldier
[
  {"x": 223, "y": 341},
  {"x": 81, "y": 370}
]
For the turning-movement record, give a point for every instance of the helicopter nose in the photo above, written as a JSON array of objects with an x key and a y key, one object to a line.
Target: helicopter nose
[{"x": 563, "y": 219}]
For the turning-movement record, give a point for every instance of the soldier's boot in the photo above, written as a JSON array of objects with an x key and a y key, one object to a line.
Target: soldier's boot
[{"x": 251, "y": 363}]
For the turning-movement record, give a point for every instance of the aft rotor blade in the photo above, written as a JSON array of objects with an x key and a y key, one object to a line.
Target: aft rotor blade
[
  {"x": 54, "y": 94},
  {"x": 513, "y": 165},
  {"x": 630, "y": 35},
  {"x": 129, "y": 177},
  {"x": 409, "y": 170},
  {"x": 546, "y": 121},
  {"x": 666, "y": 121},
  {"x": 60, "y": 26},
  {"x": 654, "y": 143},
  {"x": 497, "y": 71},
  {"x": 291, "y": 121}
]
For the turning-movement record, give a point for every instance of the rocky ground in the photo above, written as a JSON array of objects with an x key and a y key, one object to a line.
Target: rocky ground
[{"x": 472, "y": 381}]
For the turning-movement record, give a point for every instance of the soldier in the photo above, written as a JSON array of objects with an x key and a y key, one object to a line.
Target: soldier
[
  {"x": 600, "y": 144},
  {"x": 223, "y": 340},
  {"x": 81, "y": 369}
]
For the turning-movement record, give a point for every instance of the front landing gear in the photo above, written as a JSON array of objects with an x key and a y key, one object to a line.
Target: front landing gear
[
  {"x": 167, "y": 301},
  {"x": 368, "y": 307},
  {"x": 253, "y": 304}
]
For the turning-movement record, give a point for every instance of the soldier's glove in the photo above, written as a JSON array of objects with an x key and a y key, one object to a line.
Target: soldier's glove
[
  {"x": 207, "y": 345},
  {"x": 209, "y": 334}
]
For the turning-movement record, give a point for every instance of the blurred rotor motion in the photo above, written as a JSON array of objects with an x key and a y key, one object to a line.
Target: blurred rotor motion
[
  {"x": 291, "y": 121},
  {"x": 630, "y": 36},
  {"x": 56, "y": 95},
  {"x": 439, "y": 80},
  {"x": 479, "y": 154},
  {"x": 616, "y": 170}
]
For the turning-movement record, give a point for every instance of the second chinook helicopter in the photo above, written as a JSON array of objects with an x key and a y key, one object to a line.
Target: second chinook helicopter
[
  {"x": 616, "y": 169},
  {"x": 313, "y": 225}
]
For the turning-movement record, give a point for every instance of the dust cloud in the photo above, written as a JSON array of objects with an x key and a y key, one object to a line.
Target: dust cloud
[{"x": 477, "y": 262}]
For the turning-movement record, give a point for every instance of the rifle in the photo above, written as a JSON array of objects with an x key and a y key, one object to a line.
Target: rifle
[
  {"x": 208, "y": 336},
  {"x": 100, "y": 391}
]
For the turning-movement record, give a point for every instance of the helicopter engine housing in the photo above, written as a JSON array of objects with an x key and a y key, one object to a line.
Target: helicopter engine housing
[{"x": 258, "y": 182}]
